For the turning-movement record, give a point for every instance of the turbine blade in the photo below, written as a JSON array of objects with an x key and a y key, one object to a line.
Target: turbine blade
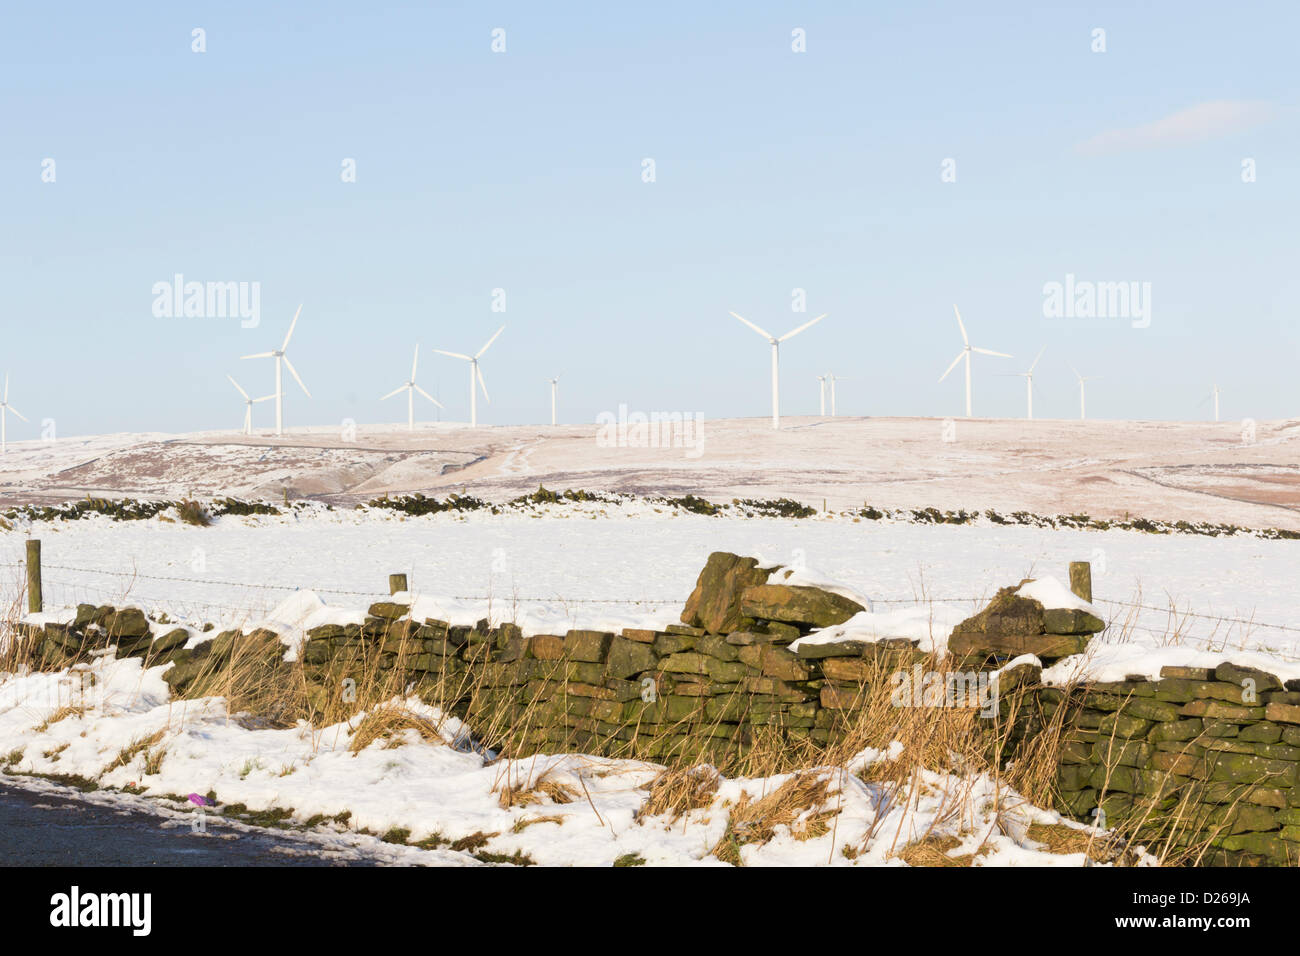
[
  {"x": 991, "y": 352},
  {"x": 393, "y": 392},
  {"x": 414, "y": 362},
  {"x": 264, "y": 398},
  {"x": 6, "y": 398},
  {"x": 1040, "y": 355},
  {"x": 430, "y": 397},
  {"x": 766, "y": 335},
  {"x": 1074, "y": 370},
  {"x": 454, "y": 355},
  {"x": 259, "y": 355},
  {"x": 961, "y": 325},
  {"x": 791, "y": 334},
  {"x": 236, "y": 384},
  {"x": 479, "y": 372},
  {"x": 480, "y": 352},
  {"x": 294, "y": 372},
  {"x": 15, "y": 411},
  {"x": 289, "y": 335},
  {"x": 960, "y": 355}
]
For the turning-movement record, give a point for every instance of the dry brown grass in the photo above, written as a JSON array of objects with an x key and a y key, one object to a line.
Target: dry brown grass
[
  {"x": 62, "y": 713},
  {"x": 935, "y": 851},
  {"x": 523, "y": 823},
  {"x": 797, "y": 805},
  {"x": 679, "y": 790},
  {"x": 252, "y": 678},
  {"x": 1066, "y": 841},
  {"x": 135, "y": 747},
  {"x": 526, "y": 792},
  {"x": 388, "y": 722}
]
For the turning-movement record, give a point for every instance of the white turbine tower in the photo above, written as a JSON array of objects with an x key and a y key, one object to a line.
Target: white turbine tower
[
  {"x": 833, "y": 378},
  {"x": 281, "y": 358},
  {"x": 1083, "y": 398},
  {"x": 821, "y": 380},
  {"x": 555, "y": 385},
  {"x": 475, "y": 376},
  {"x": 965, "y": 353},
  {"x": 5, "y": 409},
  {"x": 1214, "y": 391},
  {"x": 248, "y": 405},
  {"x": 776, "y": 360},
  {"x": 411, "y": 388},
  {"x": 1029, "y": 383}
]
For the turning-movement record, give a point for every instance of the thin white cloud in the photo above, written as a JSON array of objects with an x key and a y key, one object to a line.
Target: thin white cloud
[{"x": 1193, "y": 125}]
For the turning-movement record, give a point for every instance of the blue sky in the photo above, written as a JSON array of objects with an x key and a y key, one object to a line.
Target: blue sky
[{"x": 522, "y": 171}]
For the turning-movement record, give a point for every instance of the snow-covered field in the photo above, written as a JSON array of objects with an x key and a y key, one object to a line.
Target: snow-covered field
[{"x": 610, "y": 566}]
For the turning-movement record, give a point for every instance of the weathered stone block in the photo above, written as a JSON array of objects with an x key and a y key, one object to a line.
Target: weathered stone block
[
  {"x": 793, "y": 604},
  {"x": 714, "y": 605}
]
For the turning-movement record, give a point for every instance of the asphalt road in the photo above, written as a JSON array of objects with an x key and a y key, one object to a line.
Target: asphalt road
[{"x": 41, "y": 829}]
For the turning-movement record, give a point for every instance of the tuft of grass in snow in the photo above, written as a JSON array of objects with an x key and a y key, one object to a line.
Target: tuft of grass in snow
[
  {"x": 62, "y": 713},
  {"x": 525, "y": 793},
  {"x": 798, "y": 805},
  {"x": 679, "y": 790},
  {"x": 134, "y": 748},
  {"x": 390, "y": 721}
]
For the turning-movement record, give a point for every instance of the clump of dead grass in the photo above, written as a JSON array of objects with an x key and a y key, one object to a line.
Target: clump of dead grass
[
  {"x": 797, "y": 805},
  {"x": 679, "y": 790},
  {"x": 526, "y": 793},
  {"x": 134, "y": 748},
  {"x": 390, "y": 722}
]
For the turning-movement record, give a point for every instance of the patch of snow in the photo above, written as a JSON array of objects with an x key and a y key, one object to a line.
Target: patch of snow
[{"x": 1051, "y": 593}]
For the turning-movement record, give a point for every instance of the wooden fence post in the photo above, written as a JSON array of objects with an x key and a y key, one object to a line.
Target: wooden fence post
[
  {"x": 396, "y": 582},
  {"x": 1081, "y": 579},
  {"x": 35, "y": 600}
]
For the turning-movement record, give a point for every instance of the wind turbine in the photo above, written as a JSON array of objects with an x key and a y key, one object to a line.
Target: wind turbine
[
  {"x": 965, "y": 353},
  {"x": 248, "y": 405},
  {"x": 1214, "y": 392},
  {"x": 833, "y": 378},
  {"x": 555, "y": 385},
  {"x": 776, "y": 353},
  {"x": 475, "y": 376},
  {"x": 821, "y": 379},
  {"x": 1083, "y": 407},
  {"x": 5, "y": 409},
  {"x": 411, "y": 388},
  {"x": 281, "y": 358},
  {"x": 1029, "y": 383}
]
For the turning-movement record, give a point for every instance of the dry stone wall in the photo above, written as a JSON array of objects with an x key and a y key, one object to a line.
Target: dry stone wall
[{"x": 1201, "y": 753}]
